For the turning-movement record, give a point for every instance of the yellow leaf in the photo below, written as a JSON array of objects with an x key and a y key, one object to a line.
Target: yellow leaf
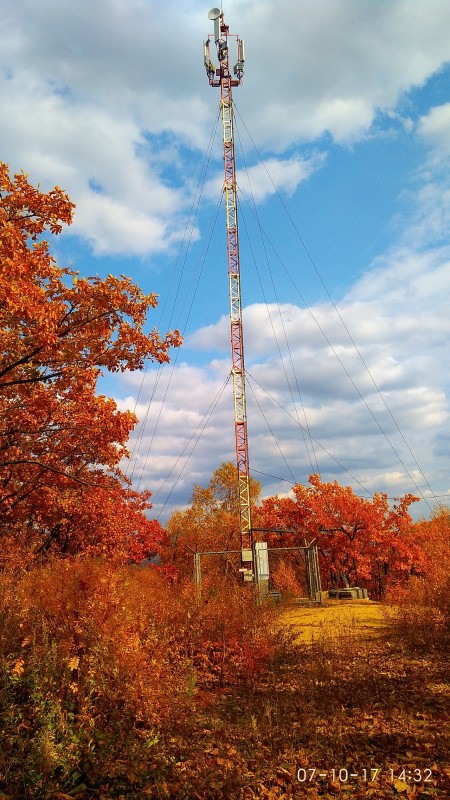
[
  {"x": 400, "y": 786},
  {"x": 73, "y": 662}
]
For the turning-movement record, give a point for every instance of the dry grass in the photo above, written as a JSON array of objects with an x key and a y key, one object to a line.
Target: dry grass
[
  {"x": 346, "y": 694},
  {"x": 358, "y": 618},
  {"x": 342, "y": 690}
]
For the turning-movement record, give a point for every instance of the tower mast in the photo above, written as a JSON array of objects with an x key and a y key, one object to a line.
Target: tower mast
[{"x": 222, "y": 77}]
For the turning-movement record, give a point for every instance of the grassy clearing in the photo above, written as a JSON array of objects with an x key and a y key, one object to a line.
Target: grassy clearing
[
  {"x": 350, "y": 699},
  {"x": 336, "y": 618},
  {"x": 353, "y": 706}
]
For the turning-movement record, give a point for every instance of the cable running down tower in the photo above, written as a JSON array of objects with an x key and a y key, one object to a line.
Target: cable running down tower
[{"x": 222, "y": 77}]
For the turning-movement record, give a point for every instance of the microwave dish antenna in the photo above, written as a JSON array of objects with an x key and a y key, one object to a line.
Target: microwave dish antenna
[{"x": 215, "y": 15}]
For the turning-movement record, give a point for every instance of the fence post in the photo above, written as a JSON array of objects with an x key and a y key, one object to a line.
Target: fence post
[{"x": 197, "y": 571}]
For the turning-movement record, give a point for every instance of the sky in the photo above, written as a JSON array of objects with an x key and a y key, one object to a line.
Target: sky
[{"x": 342, "y": 139}]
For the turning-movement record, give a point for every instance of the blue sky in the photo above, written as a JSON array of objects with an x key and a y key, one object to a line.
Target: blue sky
[{"x": 343, "y": 154}]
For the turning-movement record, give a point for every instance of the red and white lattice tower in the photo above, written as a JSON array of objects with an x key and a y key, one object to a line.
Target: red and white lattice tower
[{"x": 223, "y": 78}]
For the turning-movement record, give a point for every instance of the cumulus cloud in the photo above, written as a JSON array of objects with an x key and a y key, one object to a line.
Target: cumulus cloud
[
  {"x": 358, "y": 389},
  {"x": 112, "y": 96},
  {"x": 430, "y": 221},
  {"x": 435, "y": 127},
  {"x": 331, "y": 66},
  {"x": 360, "y": 393},
  {"x": 122, "y": 204},
  {"x": 260, "y": 181}
]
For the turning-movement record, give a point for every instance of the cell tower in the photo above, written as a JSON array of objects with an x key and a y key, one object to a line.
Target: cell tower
[{"x": 223, "y": 78}]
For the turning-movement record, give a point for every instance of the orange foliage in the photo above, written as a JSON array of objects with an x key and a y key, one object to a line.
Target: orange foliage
[
  {"x": 433, "y": 535},
  {"x": 105, "y": 669},
  {"x": 360, "y": 541},
  {"x": 211, "y": 523},
  {"x": 424, "y": 602},
  {"x": 285, "y": 578},
  {"x": 60, "y": 442}
]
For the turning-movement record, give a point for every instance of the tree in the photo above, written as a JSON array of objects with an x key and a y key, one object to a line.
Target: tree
[
  {"x": 360, "y": 541},
  {"x": 433, "y": 536},
  {"x": 61, "y": 442},
  {"x": 53, "y": 322},
  {"x": 211, "y": 523}
]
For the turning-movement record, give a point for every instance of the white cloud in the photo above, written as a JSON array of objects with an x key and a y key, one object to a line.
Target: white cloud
[
  {"x": 111, "y": 226},
  {"x": 260, "y": 181},
  {"x": 274, "y": 175},
  {"x": 398, "y": 317},
  {"x": 435, "y": 127},
  {"x": 332, "y": 65},
  {"x": 110, "y": 100},
  {"x": 408, "y": 278},
  {"x": 109, "y": 93},
  {"x": 122, "y": 204},
  {"x": 430, "y": 223}
]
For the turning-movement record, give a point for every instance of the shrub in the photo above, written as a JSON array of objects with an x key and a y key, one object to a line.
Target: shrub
[
  {"x": 104, "y": 669},
  {"x": 423, "y": 612}
]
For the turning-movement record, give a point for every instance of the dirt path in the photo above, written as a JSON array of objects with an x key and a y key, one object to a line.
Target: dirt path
[{"x": 338, "y": 618}]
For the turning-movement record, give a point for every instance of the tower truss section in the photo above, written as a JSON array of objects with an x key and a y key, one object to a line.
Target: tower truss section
[{"x": 222, "y": 77}]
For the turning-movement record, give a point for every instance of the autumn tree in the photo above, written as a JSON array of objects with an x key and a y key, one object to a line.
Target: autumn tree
[
  {"x": 361, "y": 541},
  {"x": 433, "y": 536},
  {"x": 423, "y": 601},
  {"x": 60, "y": 441},
  {"x": 211, "y": 523}
]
